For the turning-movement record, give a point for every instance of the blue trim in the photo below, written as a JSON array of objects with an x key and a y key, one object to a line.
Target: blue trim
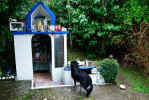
[
  {"x": 87, "y": 67},
  {"x": 61, "y": 32},
  {"x": 67, "y": 69},
  {"x": 56, "y": 32},
  {"x": 83, "y": 67},
  {"x": 33, "y": 9},
  {"x": 28, "y": 22}
]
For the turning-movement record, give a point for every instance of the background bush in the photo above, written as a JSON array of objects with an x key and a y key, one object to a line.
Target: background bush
[{"x": 109, "y": 69}]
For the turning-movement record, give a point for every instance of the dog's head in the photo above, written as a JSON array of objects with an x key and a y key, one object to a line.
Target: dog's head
[{"x": 74, "y": 64}]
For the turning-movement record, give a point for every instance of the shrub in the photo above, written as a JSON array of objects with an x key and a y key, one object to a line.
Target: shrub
[
  {"x": 91, "y": 56},
  {"x": 109, "y": 69}
]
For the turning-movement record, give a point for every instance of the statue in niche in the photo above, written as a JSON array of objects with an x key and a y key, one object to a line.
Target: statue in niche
[{"x": 40, "y": 24}]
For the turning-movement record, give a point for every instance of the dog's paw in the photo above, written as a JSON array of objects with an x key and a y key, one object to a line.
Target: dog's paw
[{"x": 74, "y": 87}]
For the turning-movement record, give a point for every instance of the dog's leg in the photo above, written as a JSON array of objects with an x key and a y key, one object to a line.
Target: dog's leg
[
  {"x": 80, "y": 90},
  {"x": 89, "y": 90},
  {"x": 74, "y": 83}
]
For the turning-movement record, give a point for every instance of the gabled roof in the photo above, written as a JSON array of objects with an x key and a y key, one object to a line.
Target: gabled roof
[{"x": 34, "y": 9}]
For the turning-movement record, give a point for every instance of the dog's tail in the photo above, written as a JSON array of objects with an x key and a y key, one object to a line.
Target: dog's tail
[{"x": 89, "y": 90}]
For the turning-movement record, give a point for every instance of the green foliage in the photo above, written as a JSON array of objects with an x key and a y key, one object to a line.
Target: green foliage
[
  {"x": 58, "y": 7},
  {"x": 89, "y": 22},
  {"x": 91, "y": 56},
  {"x": 10, "y": 9},
  {"x": 74, "y": 54},
  {"x": 132, "y": 11},
  {"x": 3, "y": 6},
  {"x": 109, "y": 69},
  {"x": 134, "y": 16},
  {"x": 97, "y": 26}
]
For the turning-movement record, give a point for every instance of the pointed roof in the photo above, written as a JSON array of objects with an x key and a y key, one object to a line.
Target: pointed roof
[{"x": 46, "y": 9}]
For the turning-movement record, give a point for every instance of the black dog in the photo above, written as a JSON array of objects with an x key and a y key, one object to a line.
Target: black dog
[{"x": 82, "y": 77}]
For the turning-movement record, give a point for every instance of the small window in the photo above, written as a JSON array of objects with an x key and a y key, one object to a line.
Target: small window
[{"x": 59, "y": 51}]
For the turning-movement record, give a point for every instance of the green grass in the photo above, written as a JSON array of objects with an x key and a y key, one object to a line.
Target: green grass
[{"x": 139, "y": 81}]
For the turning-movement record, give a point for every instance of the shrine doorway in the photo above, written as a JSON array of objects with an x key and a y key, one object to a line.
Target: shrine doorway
[{"x": 42, "y": 59}]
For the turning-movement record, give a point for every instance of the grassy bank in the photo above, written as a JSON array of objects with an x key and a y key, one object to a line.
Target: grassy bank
[{"x": 139, "y": 81}]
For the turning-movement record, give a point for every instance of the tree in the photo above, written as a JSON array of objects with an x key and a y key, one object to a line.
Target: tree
[
  {"x": 10, "y": 9},
  {"x": 135, "y": 21}
]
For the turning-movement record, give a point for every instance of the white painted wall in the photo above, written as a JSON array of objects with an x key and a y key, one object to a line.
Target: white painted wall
[
  {"x": 53, "y": 57},
  {"x": 23, "y": 57},
  {"x": 65, "y": 50},
  {"x": 58, "y": 73}
]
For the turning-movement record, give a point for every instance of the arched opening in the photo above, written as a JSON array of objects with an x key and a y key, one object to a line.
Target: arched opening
[{"x": 41, "y": 57}]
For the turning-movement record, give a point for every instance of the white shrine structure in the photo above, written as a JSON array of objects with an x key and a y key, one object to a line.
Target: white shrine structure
[{"x": 40, "y": 44}]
